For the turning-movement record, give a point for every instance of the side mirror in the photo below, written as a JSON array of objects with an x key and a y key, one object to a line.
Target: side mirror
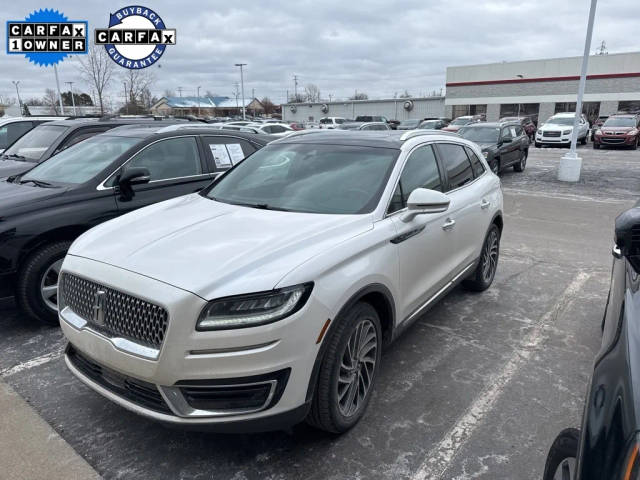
[
  {"x": 134, "y": 176},
  {"x": 422, "y": 201}
]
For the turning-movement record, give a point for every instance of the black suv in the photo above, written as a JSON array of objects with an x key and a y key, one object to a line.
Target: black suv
[
  {"x": 47, "y": 139},
  {"x": 608, "y": 446},
  {"x": 43, "y": 210},
  {"x": 503, "y": 144}
]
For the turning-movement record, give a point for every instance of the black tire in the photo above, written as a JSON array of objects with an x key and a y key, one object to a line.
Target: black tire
[
  {"x": 28, "y": 290},
  {"x": 479, "y": 281},
  {"x": 583, "y": 140},
  {"x": 495, "y": 166},
  {"x": 635, "y": 145},
  {"x": 325, "y": 412},
  {"x": 522, "y": 163},
  {"x": 538, "y": 144},
  {"x": 596, "y": 146},
  {"x": 564, "y": 447}
]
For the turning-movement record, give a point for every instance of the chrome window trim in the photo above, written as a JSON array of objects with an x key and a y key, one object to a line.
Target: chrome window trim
[{"x": 102, "y": 186}]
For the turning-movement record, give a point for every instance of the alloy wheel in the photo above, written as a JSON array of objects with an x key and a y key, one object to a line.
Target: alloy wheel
[
  {"x": 495, "y": 167},
  {"x": 523, "y": 160},
  {"x": 49, "y": 285},
  {"x": 566, "y": 470},
  {"x": 357, "y": 368},
  {"x": 490, "y": 256}
]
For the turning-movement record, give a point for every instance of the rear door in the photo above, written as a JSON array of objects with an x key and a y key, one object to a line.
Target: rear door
[
  {"x": 176, "y": 166},
  {"x": 509, "y": 147}
]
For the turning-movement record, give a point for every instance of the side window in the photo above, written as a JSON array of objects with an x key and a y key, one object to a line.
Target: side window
[
  {"x": 420, "y": 171},
  {"x": 456, "y": 163},
  {"x": 268, "y": 129},
  {"x": 476, "y": 164},
  {"x": 80, "y": 135},
  {"x": 170, "y": 158},
  {"x": 515, "y": 131},
  {"x": 277, "y": 129},
  {"x": 16, "y": 130},
  {"x": 226, "y": 151},
  {"x": 366, "y": 127},
  {"x": 506, "y": 133}
]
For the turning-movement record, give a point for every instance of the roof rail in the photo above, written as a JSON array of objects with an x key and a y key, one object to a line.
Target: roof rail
[
  {"x": 298, "y": 133},
  {"x": 418, "y": 133},
  {"x": 186, "y": 126}
]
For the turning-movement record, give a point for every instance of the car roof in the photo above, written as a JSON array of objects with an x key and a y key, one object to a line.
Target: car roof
[
  {"x": 362, "y": 138},
  {"x": 161, "y": 131},
  {"x": 493, "y": 124},
  {"x": 565, "y": 114},
  {"x": 626, "y": 115}
]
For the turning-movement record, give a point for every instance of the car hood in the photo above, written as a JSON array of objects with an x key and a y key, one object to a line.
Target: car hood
[
  {"x": 14, "y": 167},
  {"x": 486, "y": 146},
  {"x": 15, "y": 195},
  {"x": 453, "y": 128},
  {"x": 215, "y": 249},
  {"x": 552, "y": 127},
  {"x": 616, "y": 129}
]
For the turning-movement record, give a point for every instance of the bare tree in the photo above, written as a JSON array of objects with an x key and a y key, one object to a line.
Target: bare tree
[
  {"x": 359, "y": 96},
  {"x": 50, "y": 100},
  {"x": 96, "y": 68},
  {"x": 406, "y": 94},
  {"x": 35, "y": 102},
  {"x": 269, "y": 106},
  {"x": 138, "y": 87},
  {"x": 168, "y": 93},
  {"x": 297, "y": 98},
  {"x": 312, "y": 93}
]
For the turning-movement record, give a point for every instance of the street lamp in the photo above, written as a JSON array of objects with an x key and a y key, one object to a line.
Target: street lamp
[
  {"x": 242, "y": 83},
  {"x": 73, "y": 100},
  {"x": 16, "y": 83},
  {"x": 126, "y": 101},
  {"x": 198, "y": 101},
  {"x": 570, "y": 163}
]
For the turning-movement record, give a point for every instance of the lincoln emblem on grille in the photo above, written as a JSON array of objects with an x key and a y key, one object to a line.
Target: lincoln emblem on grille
[{"x": 98, "y": 307}]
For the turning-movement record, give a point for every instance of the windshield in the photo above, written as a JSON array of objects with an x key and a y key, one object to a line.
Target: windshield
[
  {"x": 34, "y": 143},
  {"x": 350, "y": 126},
  {"x": 561, "y": 121},
  {"x": 333, "y": 179},
  {"x": 81, "y": 162},
  {"x": 409, "y": 123},
  {"x": 480, "y": 134},
  {"x": 461, "y": 121},
  {"x": 620, "y": 122}
]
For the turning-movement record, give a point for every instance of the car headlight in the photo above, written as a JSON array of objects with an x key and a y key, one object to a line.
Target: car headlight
[
  {"x": 632, "y": 132},
  {"x": 252, "y": 310},
  {"x": 485, "y": 153},
  {"x": 567, "y": 132},
  {"x": 598, "y": 132}
]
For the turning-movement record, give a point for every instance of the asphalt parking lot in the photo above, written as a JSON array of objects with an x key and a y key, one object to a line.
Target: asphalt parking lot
[{"x": 477, "y": 388}]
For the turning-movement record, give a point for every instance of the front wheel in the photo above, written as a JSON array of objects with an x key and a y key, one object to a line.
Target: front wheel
[
  {"x": 495, "y": 166},
  {"x": 538, "y": 144},
  {"x": 348, "y": 370},
  {"x": 37, "y": 288},
  {"x": 561, "y": 460},
  {"x": 596, "y": 146},
  {"x": 583, "y": 140},
  {"x": 520, "y": 166},
  {"x": 482, "y": 277}
]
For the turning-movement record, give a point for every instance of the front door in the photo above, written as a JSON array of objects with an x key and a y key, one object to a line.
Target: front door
[
  {"x": 424, "y": 246},
  {"x": 176, "y": 168}
]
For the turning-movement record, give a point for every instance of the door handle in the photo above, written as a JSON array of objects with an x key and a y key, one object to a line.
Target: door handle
[
  {"x": 449, "y": 224},
  {"x": 485, "y": 204}
]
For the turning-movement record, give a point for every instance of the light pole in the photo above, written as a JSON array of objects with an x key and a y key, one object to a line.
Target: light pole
[
  {"x": 73, "y": 100},
  {"x": 242, "y": 83},
  {"x": 126, "y": 102},
  {"x": 570, "y": 163},
  {"x": 16, "y": 83},
  {"x": 55, "y": 70},
  {"x": 198, "y": 101}
]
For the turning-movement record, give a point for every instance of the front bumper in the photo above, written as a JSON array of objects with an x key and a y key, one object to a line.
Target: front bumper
[
  {"x": 561, "y": 140},
  {"x": 187, "y": 357},
  {"x": 615, "y": 140}
]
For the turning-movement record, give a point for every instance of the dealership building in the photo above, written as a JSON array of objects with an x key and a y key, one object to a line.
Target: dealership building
[
  {"x": 536, "y": 88},
  {"x": 540, "y": 88}
]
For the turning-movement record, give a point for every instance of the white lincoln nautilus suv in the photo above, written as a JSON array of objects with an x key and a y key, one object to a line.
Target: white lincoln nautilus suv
[{"x": 266, "y": 298}]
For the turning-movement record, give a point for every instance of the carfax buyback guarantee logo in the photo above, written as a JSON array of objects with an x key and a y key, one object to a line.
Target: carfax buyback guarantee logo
[
  {"x": 136, "y": 38},
  {"x": 46, "y": 37}
]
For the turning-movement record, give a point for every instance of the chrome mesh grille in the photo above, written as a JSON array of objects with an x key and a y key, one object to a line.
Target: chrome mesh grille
[{"x": 124, "y": 315}]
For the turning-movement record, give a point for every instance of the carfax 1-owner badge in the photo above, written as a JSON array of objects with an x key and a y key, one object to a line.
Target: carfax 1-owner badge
[{"x": 136, "y": 38}]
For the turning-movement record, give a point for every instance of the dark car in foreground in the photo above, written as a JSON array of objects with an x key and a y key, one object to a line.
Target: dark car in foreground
[
  {"x": 48, "y": 139},
  {"x": 607, "y": 446},
  {"x": 43, "y": 210},
  {"x": 503, "y": 144},
  {"x": 618, "y": 131}
]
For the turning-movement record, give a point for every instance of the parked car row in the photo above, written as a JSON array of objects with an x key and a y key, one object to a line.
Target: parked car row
[{"x": 213, "y": 277}]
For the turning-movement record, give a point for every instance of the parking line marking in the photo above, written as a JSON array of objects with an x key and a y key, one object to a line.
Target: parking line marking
[
  {"x": 34, "y": 362},
  {"x": 441, "y": 455}
]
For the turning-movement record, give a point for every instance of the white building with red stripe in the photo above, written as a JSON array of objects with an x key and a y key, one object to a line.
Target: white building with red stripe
[{"x": 540, "y": 88}]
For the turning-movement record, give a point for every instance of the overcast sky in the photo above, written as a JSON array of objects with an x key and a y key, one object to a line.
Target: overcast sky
[{"x": 375, "y": 46}]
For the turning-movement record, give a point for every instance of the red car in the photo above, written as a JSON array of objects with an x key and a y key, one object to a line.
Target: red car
[
  {"x": 297, "y": 126},
  {"x": 618, "y": 130}
]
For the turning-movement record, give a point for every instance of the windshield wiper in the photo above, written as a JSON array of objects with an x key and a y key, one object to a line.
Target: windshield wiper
[
  {"x": 39, "y": 183},
  {"x": 261, "y": 206},
  {"x": 13, "y": 155}
]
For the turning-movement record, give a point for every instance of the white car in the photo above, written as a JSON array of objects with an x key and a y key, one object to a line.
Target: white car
[
  {"x": 331, "y": 122},
  {"x": 266, "y": 298},
  {"x": 558, "y": 129},
  {"x": 276, "y": 129}
]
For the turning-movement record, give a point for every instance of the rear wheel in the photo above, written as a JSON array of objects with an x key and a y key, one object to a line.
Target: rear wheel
[
  {"x": 583, "y": 140},
  {"x": 561, "y": 460},
  {"x": 484, "y": 273},
  {"x": 495, "y": 166},
  {"x": 37, "y": 289},
  {"x": 520, "y": 166},
  {"x": 348, "y": 370}
]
